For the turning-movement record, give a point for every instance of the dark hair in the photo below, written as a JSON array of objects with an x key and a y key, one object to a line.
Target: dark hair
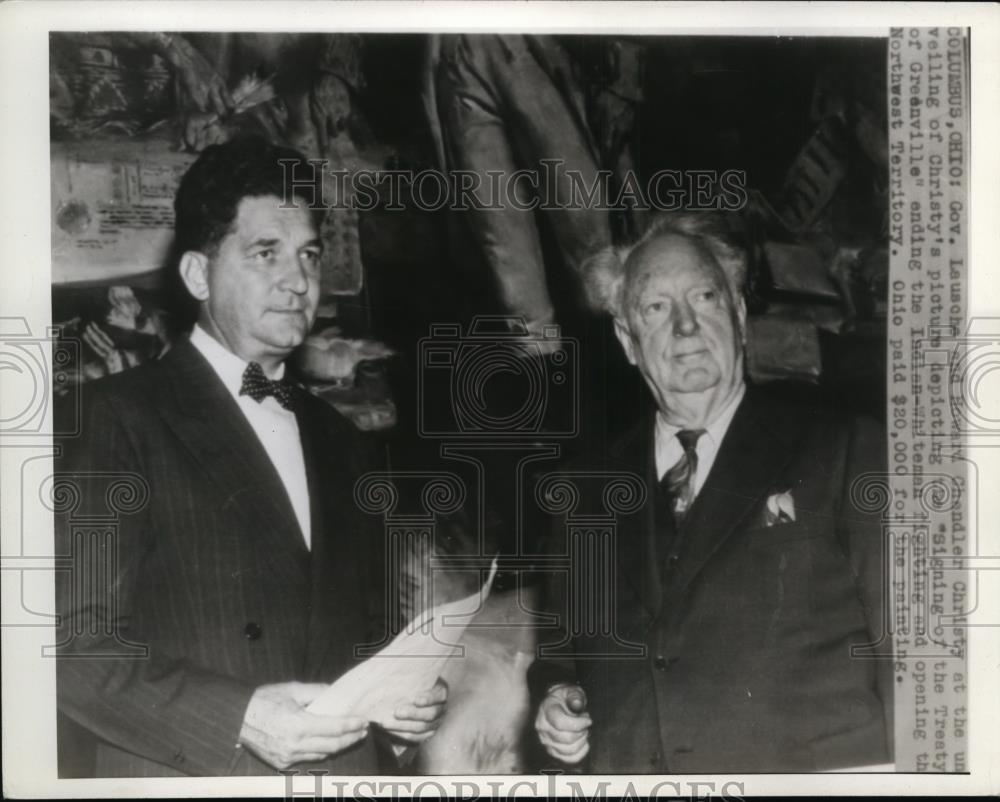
[{"x": 223, "y": 175}]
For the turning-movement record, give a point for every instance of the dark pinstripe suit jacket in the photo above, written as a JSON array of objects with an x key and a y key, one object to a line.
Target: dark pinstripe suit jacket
[{"x": 206, "y": 590}]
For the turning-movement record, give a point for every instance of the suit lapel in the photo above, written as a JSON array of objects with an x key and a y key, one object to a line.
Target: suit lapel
[
  {"x": 210, "y": 423},
  {"x": 330, "y": 499},
  {"x": 637, "y": 548},
  {"x": 756, "y": 448}
]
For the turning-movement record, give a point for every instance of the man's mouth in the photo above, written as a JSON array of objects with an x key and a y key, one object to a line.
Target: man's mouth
[{"x": 690, "y": 355}]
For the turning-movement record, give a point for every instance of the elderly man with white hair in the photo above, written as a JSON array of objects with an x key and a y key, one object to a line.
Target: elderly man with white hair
[{"x": 747, "y": 588}]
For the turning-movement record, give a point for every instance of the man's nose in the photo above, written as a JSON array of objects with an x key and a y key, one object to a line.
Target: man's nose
[
  {"x": 685, "y": 320},
  {"x": 294, "y": 277}
]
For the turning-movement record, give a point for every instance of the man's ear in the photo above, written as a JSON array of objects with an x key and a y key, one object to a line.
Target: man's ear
[
  {"x": 194, "y": 273},
  {"x": 625, "y": 338}
]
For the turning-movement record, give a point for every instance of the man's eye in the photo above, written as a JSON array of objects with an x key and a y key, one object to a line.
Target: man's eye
[
  {"x": 263, "y": 255},
  {"x": 311, "y": 258},
  {"x": 707, "y": 296},
  {"x": 653, "y": 307}
]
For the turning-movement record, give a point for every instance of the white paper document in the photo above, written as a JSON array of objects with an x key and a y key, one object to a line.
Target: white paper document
[{"x": 408, "y": 666}]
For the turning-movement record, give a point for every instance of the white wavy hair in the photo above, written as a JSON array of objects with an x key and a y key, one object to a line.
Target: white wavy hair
[{"x": 605, "y": 272}]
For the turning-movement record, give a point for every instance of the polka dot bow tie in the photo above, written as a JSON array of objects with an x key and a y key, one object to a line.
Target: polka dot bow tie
[{"x": 258, "y": 387}]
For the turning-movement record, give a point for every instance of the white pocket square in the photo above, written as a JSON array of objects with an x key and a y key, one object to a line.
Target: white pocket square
[{"x": 780, "y": 509}]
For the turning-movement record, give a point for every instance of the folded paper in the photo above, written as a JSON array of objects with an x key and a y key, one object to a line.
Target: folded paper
[{"x": 406, "y": 668}]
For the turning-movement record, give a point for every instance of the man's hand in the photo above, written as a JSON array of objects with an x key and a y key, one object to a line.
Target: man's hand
[
  {"x": 278, "y": 729},
  {"x": 104, "y": 347},
  {"x": 563, "y": 724},
  {"x": 415, "y": 723}
]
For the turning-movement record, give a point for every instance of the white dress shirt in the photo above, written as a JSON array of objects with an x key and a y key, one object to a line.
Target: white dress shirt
[
  {"x": 275, "y": 426},
  {"x": 669, "y": 450}
]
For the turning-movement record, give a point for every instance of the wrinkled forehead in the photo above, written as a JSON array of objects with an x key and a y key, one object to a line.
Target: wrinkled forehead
[
  {"x": 256, "y": 214},
  {"x": 671, "y": 261}
]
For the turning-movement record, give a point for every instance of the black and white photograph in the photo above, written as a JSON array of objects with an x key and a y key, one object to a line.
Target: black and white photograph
[{"x": 539, "y": 401}]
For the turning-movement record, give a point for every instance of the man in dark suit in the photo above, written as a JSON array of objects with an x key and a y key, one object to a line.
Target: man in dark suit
[
  {"x": 748, "y": 573},
  {"x": 242, "y": 576}
]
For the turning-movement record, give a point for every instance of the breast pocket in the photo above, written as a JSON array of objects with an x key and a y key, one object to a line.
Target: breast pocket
[{"x": 781, "y": 534}]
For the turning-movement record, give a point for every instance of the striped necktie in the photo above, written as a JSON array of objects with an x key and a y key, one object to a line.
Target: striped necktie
[{"x": 678, "y": 482}]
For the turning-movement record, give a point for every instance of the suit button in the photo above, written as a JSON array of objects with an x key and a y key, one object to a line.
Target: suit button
[
  {"x": 654, "y": 759},
  {"x": 179, "y": 757},
  {"x": 660, "y": 663},
  {"x": 252, "y": 631}
]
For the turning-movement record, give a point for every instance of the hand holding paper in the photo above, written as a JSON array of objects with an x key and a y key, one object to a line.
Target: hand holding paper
[
  {"x": 277, "y": 728},
  {"x": 393, "y": 681},
  {"x": 415, "y": 723}
]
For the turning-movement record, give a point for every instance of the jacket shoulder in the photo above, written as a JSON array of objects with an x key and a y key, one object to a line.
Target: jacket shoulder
[
  {"x": 827, "y": 437},
  {"x": 130, "y": 383},
  {"x": 120, "y": 397},
  {"x": 328, "y": 414}
]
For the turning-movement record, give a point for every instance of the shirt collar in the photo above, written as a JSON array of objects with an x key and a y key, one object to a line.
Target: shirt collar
[
  {"x": 224, "y": 362},
  {"x": 715, "y": 430}
]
